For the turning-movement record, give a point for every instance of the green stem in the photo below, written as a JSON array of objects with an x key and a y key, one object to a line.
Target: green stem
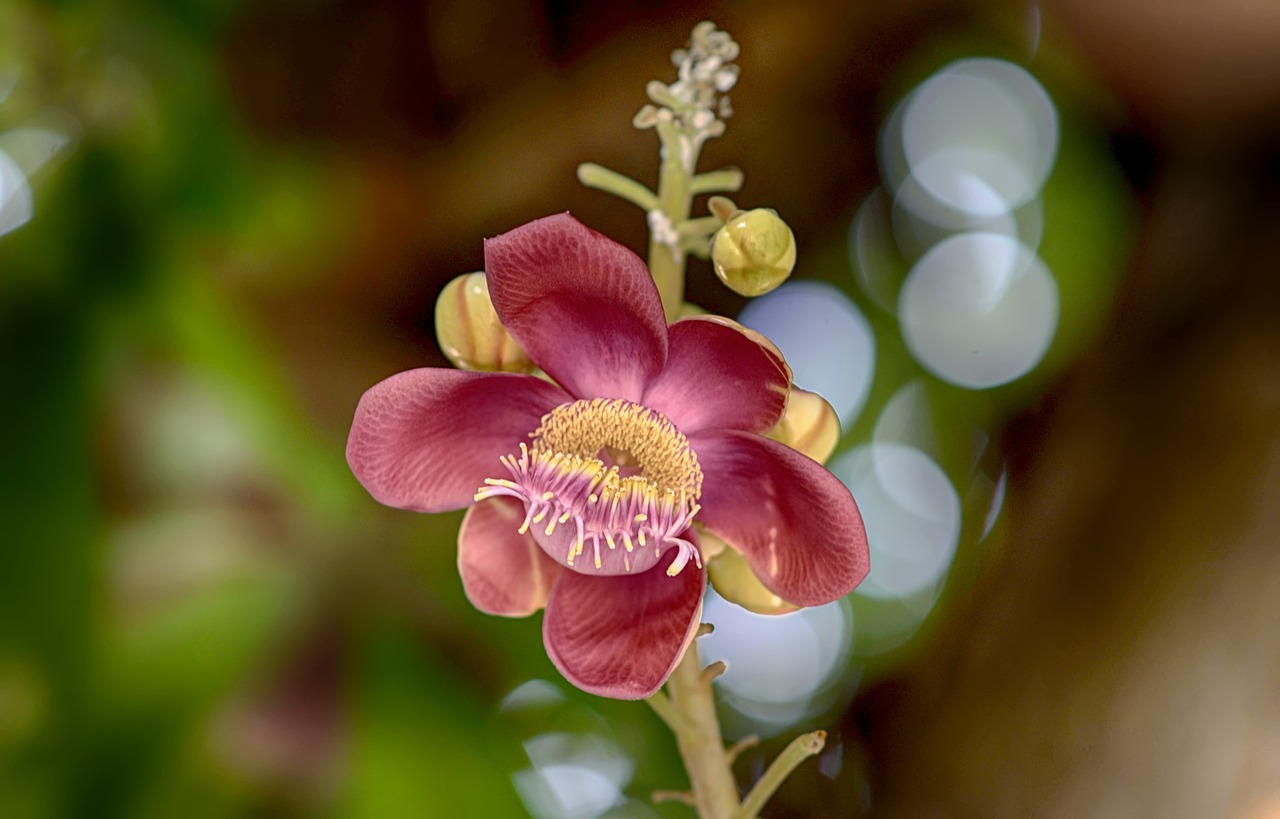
[
  {"x": 661, "y": 705},
  {"x": 714, "y": 791},
  {"x": 667, "y": 259},
  {"x": 800, "y": 749}
]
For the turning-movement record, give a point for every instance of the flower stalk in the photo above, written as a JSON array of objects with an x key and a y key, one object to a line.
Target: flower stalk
[
  {"x": 689, "y": 710},
  {"x": 584, "y": 486},
  {"x": 684, "y": 115},
  {"x": 706, "y": 760}
]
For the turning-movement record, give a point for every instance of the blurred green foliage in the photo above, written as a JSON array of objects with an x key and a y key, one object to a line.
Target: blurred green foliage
[{"x": 176, "y": 531}]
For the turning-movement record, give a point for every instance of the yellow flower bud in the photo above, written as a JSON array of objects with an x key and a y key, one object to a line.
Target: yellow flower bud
[
  {"x": 733, "y": 579},
  {"x": 469, "y": 332},
  {"x": 809, "y": 426},
  {"x": 754, "y": 252}
]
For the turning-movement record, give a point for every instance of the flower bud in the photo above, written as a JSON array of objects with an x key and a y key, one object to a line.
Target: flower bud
[
  {"x": 733, "y": 580},
  {"x": 754, "y": 252},
  {"x": 809, "y": 426},
  {"x": 469, "y": 332}
]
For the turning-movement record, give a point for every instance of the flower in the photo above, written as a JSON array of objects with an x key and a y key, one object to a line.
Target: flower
[{"x": 583, "y": 492}]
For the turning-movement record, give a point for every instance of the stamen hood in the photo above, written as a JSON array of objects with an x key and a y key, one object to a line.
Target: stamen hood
[{"x": 620, "y": 472}]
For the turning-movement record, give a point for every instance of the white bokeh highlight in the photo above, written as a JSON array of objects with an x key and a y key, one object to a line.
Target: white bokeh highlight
[
  {"x": 572, "y": 776},
  {"x": 878, "y": 266},
  {"x": 31, "y": 148},
  {"x": 777, "y": 664},
  {"x": 919, "y": 221},
  {"x": 979, "y": 310},
  {"x": 981, "y": 136},
  {"x": 912, "y": 516},
  {"x": 825, "y": 339},
  {"x": 23, "y": 151},
  {"x": 907, "y": 418},
  {"x": 15, "y": 195}
]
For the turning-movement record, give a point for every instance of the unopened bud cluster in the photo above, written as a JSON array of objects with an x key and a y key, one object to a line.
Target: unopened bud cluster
[{"x": 695, "y": 104}]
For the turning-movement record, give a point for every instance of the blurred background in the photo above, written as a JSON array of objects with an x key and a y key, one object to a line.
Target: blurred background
[{"x": 1037, "y": 277}]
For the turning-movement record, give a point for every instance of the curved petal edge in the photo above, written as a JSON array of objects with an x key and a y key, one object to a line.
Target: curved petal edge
[
  {"x": 720, "y": 375},
  {"x": 426, "y": 439},
  {"x": 796, "y": 523},
  {"x": 503, "y": 572},
  {"x": 622, "y": 636},
  {"x": 581, "y": 305}
]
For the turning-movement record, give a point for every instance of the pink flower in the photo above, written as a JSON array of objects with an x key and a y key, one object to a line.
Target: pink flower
[{"x": 583, "y": 495}]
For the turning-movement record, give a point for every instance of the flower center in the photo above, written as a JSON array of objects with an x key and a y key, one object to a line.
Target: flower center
[{"x": 620, "y": 472}]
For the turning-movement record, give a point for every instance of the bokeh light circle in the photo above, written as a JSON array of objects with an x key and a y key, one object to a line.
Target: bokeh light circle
[
  {"x": 15, "y": 195},
  {"x": 825, "y": 339},
  {"x": 981, "y": 136},
  {"x": 912, "y": 516},
  {"x": 572, "y": 776},
  {"x": 777, "y": 664},
  {"x": 908, "y": 418},
  {"x": 877, "y": 264},
  {"x": 979, "y": 310},
  {"x": 919, "y": 221}
]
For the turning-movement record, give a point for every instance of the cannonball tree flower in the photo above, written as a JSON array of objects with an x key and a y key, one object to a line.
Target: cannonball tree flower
[{"x": 583, "y": 493}]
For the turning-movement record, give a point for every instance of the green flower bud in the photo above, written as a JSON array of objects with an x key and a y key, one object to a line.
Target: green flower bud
[
  {"x": 469, "y": 332},
  {"x": 754, "y": 252}
]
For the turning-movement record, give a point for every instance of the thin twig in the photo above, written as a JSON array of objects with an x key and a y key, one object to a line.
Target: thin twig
[
  {"x": 699, "y": 228},
  {"x": 714, "y": 670},
  {"x": 735, "y": 750},
  {"x": 673, "y": 796},
  {"x": 601, "y": 178},
  {"x": 725, "y": 179},
  {"x": 800, "y": 749},
  {"x": 697, "y": 247},
  {"x": 701, "y": 748}
]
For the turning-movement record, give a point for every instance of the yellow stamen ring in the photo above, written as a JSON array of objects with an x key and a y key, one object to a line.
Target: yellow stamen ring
[{"x": 648, "y": 496}]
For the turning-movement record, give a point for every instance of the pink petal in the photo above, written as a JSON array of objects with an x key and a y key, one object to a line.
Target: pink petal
[
  {"x": 720, "y": 375},
  {"x": 426, "y": 439},
  {"x": 503, "y": 571},
  {"x": 795, "y": 522},
  {"x": 582, "y": 306},
  {"x": 621, "y": 636}
]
